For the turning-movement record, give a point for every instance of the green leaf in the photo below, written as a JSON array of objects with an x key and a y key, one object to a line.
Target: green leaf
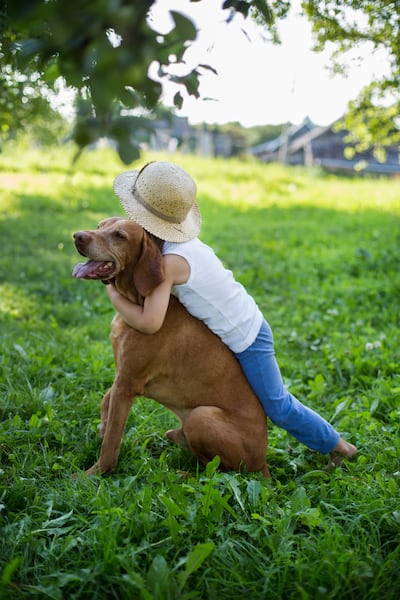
[
  {"x": 10, "y": 569},
  {"x": 300, "y": 501},
  {"x": 184, "y": 27},
  {"x": 265, "y": 10},
  {"x": 173, "y": 509},
  {"x": 236, "y": 490},
  {"x": 151, "y": 92},
  {"x": 238, "y": 5},
  {"x": 190, "y": 81},
  {"x": 195, "y": 559},
  {"x": 253, "y": 491},
  {"x": 61, "y": 520},
  {"x": 51, "y": 72},
  {"x": 317, "y": 384},
  {"x": 158, "y": 577},
  {"x": 129, "y": 98},
  {"x": 128, "y": 151},
  {"x": 34, "y": 421},
  {"x": 212, "y": 466},
  {"x": 178, "y": 100},
  {"x": 340, "y": 408},
  {"x": 219, "y": 499},
  {"x": 208, "y": 68}
]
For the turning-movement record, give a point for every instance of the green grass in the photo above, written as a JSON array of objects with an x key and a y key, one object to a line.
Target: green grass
[{"x": 321, "y": 256}]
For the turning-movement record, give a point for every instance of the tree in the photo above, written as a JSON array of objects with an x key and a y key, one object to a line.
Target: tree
[
  {"x": 373, "y": 118},
  {"x": 104, "y": 50}
]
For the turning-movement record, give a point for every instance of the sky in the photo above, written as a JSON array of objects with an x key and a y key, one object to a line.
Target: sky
[{"x": 259, "y": 83}]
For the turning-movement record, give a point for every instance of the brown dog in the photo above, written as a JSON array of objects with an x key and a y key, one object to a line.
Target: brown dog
[{"x": 183, "y": 366}]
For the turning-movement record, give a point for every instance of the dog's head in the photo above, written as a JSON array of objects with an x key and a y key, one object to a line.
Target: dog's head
[{"x": 120, "y": 251}]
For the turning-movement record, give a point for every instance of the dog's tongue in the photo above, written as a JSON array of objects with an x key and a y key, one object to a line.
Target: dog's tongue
[{"x": 93, "y": 269}]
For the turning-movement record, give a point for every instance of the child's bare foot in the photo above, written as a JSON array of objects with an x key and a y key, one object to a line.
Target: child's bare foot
[{"x": 342, "y": 450}]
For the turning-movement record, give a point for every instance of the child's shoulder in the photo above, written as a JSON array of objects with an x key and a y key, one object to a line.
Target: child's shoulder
[{"x": 181, "y": 247}]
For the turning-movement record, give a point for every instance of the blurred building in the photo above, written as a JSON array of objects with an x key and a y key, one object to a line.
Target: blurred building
[{"x": 310, "y": 145}]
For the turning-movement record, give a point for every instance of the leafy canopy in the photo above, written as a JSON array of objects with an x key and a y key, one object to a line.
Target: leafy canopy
[
  {"x": 374, "y": 25},
  {"x": 104, "y": 50}
]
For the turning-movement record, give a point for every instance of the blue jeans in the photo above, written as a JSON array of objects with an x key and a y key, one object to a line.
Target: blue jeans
[{"x": 262, "y": 372}]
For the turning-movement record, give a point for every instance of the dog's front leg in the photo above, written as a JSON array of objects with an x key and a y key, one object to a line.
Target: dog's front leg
[
  {"x": 116, "y": 404},
  {"x": 104, "y": 412}
]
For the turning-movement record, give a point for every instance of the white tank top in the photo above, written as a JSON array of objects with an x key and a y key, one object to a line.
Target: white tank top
[{"x": 213, "y": 295}]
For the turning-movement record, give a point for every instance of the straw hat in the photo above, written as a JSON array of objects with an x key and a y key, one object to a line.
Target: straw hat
[{"x": 161, "y": 197}]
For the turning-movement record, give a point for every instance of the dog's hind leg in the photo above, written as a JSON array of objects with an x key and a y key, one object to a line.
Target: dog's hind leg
[
  {"x": 209, "y": 432},
  {"x": 207, "y": 436}
]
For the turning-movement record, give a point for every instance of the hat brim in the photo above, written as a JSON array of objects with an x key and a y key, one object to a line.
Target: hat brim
[{"x": 171, "y": 232}]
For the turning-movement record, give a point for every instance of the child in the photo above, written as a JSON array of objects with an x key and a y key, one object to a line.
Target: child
[{"x": 161, "y": 198}]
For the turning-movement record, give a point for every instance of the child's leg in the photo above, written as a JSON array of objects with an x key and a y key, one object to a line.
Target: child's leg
[{"x": 261, "y": 369}]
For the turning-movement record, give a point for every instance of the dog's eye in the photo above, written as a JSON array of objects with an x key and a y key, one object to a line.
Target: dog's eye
[{"x": 119, "y": 235}]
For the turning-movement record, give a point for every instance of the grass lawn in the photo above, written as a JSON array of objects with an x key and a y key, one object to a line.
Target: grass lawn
[{"x": 320, "y": 254}]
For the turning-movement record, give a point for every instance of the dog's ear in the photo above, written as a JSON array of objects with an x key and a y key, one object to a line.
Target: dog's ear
[{"x": 149, "y": 269}]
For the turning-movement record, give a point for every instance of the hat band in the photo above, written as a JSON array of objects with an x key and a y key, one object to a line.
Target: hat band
[{"x": 153, "y": 210}]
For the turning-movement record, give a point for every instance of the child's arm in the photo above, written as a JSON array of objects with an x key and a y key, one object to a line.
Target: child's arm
[
  {"x": 147, "y": 318},
  {"x": 150, "y": 317}
]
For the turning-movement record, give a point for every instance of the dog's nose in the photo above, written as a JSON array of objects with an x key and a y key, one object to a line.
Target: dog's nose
[{"x": 80, "y": 236}]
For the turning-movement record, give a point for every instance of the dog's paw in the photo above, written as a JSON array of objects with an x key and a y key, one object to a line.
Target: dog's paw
[{"x": 94, "y": 470}]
